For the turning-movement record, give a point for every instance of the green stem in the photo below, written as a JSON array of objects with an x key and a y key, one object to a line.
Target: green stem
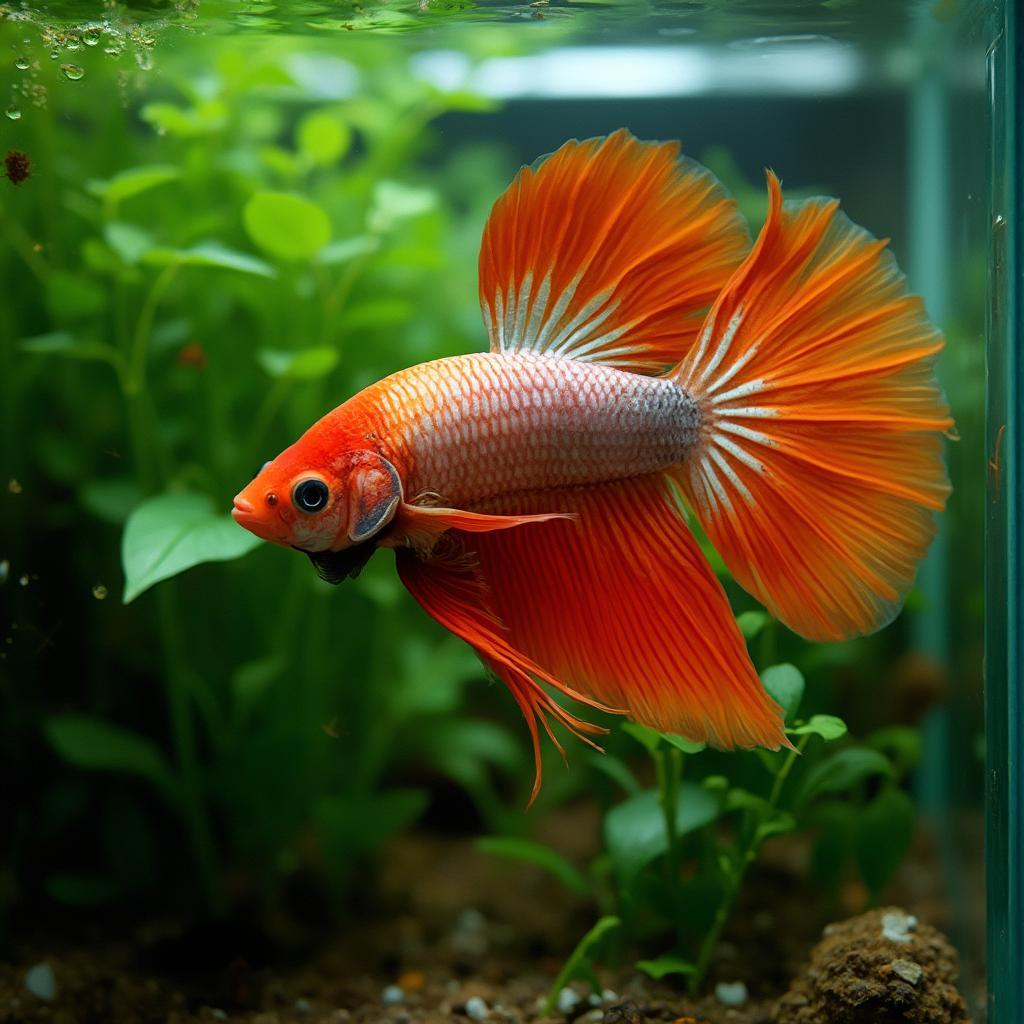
[
  {"x": 186, "y": 754},
  {"x": 748, "y": 854},
  {"x": 144, "y": 328},
  {"x": 670, "y": 766}
]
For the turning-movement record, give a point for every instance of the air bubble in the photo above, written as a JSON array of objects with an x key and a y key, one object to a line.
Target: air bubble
[
  {"x": 74, "y": 72},
  {"x": 99, "y": 592},
  {"x": 23, "y": 580},
  {"x": 72, "y": 43},
  {"x": 22, "y": 63},
  {"x": 91, "y": 36},
  {"x": 13, "y": 113},
  {"x": 144, "y": 60}
]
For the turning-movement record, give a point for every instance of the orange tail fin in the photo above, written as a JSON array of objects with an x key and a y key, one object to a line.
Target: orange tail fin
[{"x": 820, "y": 468}]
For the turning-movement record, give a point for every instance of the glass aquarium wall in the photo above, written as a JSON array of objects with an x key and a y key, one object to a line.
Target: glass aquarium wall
[{"x": 221, "y": 219}]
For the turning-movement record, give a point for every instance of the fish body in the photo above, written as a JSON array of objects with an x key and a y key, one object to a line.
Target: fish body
[
  {"x": 482, "y": 427},
  {"x": 642, "y": 350}
]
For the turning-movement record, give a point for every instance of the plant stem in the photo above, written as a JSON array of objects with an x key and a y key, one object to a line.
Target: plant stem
[
  {"x": 748, "y": 854},
  {"x": 670, "y": 766},
  {"x": 186, "y": 755}
]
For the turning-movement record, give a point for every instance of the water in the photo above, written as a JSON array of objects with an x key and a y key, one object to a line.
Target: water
[{"x": 238, "y": 214}]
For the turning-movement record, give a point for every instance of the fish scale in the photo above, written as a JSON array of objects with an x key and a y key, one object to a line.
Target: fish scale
[{"x": 476, "y": 427}]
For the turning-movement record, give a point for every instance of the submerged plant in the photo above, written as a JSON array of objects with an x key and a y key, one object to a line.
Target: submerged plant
[{"x": 675, "y": 856}]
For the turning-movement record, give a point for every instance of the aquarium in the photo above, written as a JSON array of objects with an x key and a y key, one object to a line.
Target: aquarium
[{"x": 241, "y": 786}]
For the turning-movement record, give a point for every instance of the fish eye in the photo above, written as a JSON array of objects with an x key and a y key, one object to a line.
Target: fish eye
[{"x": 310, "y": 495}]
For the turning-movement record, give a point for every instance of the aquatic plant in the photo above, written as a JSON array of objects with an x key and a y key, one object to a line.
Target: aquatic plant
[{"x": 676, "y": 854}]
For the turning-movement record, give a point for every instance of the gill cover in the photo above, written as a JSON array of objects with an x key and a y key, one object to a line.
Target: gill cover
[{"x": 374, "y": 494}]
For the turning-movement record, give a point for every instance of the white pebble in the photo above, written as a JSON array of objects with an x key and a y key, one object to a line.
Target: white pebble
[
  {"x": 568, "y": 1000},
  {"x": 303, "y": 1005},
  {"x": 392, "y": 995},
  {"x": 897, "y": 927},
  {"x": 476, "y": 1008},
  {"x": 731, "y": 993},
  {"x": 608, "y": 996},
  {"x": 907, "y": 970},
  {"x": 39, "y": 980}
]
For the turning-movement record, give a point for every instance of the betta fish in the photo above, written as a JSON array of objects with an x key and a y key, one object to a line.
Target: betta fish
[{"x": 647, "y": 362}]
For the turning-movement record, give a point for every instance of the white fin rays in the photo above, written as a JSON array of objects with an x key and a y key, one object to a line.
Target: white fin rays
[
  {"x": 723, "y": 468},
  {"x": 523, "y": 322}
]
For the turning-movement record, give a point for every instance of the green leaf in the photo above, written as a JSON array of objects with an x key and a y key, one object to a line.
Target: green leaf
[
  {"x": 666, "y": 965},
  {"x": 902, "y": 743},
  {"x": 210, "y": 254},
  {"x": 111, "y": 498},
  {"x": 615, "y": 769},
  {"x": 885, "y": 833},
  {"x": 778, "y": 824},
  {"x": 298, "y": 364},
  {"x": 345, "y": 249},
  {"x": 358, "y": 825},
  {"x": 205, "y": 118},
  {"x": 170, "y": 533},
  {"x": 394, "y": 202},
  {"x": 828, "y": 727},
  {"x": 129, "y": 241},
  {"x": 92, "y": 743},
  {"x": 286, "y": 226},
  {"x": 323, "y": 138},
  {"x": 785, "y": 685},
  {"x": 539, "y": 855},
  {"x": 649, "y": 739},
  {"x": 751, "y": 623},
  {"x": 73, "y": 296},
  {"x": 842, "y": 771},
  {"x": 683, "y": 744},
  {"x": 635, "y": 829},
  {"x": 133, "y": 182},
  {"x": 61, "y": 343},
  {"x": 834, "y": 822}
]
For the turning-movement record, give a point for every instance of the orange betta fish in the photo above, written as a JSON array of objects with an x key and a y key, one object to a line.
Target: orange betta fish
[{"x": 641, "y": 351}]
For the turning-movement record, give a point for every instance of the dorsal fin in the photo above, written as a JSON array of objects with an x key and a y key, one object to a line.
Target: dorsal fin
[{"x": 609, "y": 250}]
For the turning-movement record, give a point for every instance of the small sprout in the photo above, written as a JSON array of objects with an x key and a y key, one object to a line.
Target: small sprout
[{"x": 17, "y": 168}]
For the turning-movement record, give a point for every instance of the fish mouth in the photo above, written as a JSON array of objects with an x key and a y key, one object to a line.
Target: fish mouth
[{"x": 246, "y": 515}]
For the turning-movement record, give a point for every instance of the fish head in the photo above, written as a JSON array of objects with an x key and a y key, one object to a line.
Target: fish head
[{"x": 320, "y": 503}]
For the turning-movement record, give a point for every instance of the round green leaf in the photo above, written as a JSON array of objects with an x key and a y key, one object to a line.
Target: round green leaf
[
  {"x": 286, "y": 226},
  {"x": 323, "y": 138},
  {"x": 842, "y": 771},
  {"x": 300, "y": 364},
  {"x": 170, "y": 533},
  {"x": 785, "y": 685},
  {"x": 635, "y": 829},
  {"x": 828, "y": 727}
]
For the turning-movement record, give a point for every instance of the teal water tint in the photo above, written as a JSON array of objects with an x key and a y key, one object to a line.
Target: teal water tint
[{"x": 240, "y": 213}]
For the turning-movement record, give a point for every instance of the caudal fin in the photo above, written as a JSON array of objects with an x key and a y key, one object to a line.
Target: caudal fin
[{"x": 820, "y": 469}]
